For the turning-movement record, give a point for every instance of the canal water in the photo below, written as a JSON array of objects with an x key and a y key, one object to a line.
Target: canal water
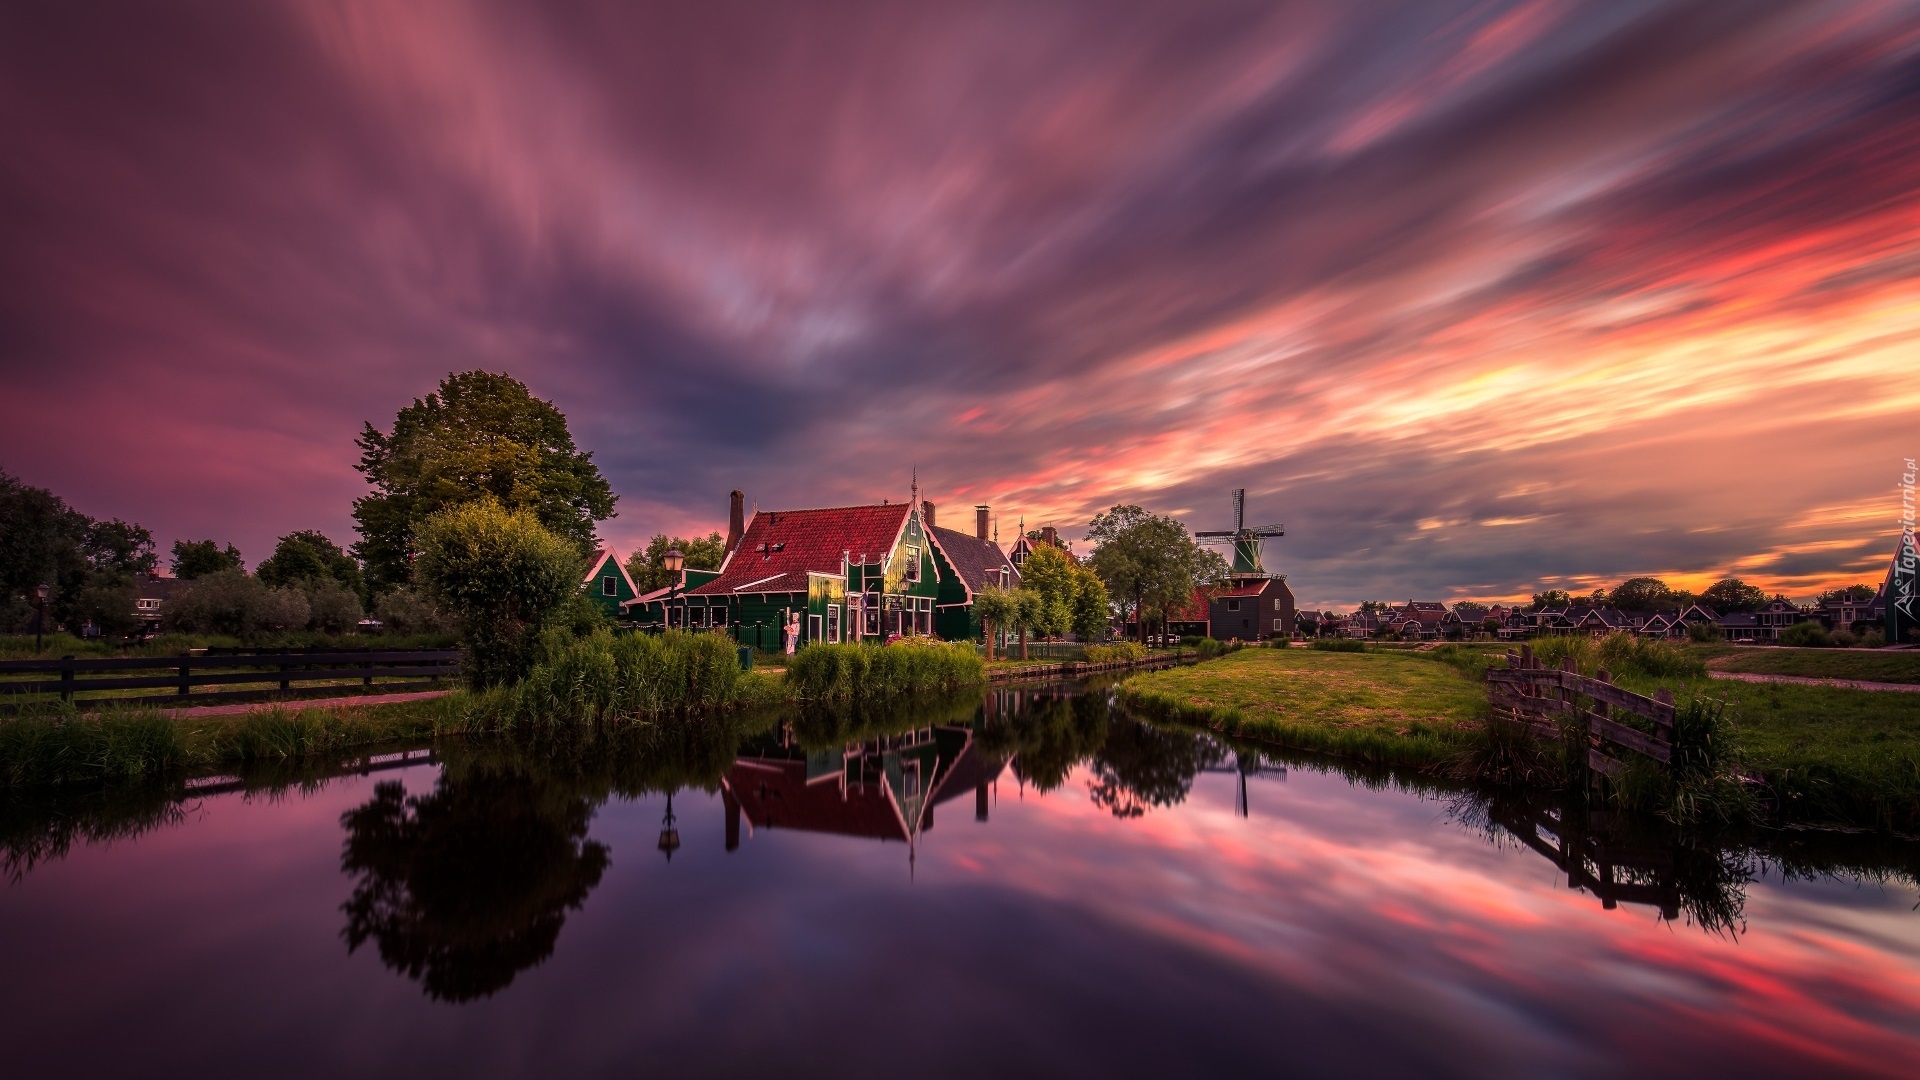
[{"x": 1039, "y": 884}]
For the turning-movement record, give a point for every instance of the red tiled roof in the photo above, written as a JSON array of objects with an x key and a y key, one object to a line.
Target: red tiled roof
[
  {"x": 977, "y": 561},
  {"x": 776, "y": 795},
  {"x": 781, "y": 546}
]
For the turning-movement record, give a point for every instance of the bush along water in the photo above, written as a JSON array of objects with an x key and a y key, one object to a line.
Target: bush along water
[
  {"x": 1117, "y": 653},
  {"x": 860, "y": 672},
  {"x": 1704, "y": 784},
  {"x": 602, "y": 678}
]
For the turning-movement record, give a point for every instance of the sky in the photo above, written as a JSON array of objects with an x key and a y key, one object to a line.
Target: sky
[{"x": 1476, "y": 299}]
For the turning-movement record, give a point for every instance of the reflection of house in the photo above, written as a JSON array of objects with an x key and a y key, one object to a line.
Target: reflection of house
[
  {"x": 882, "y": 788},
  {"x": 607, "y": 582}
]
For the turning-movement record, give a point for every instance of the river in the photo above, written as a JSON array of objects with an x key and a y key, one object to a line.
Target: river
[{"x": 1038, "y": 884}]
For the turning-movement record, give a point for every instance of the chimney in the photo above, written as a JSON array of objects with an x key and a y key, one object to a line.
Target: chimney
[
  {"x": 1049, "y": 535},
  {"x": 980, "y": 522},
  {"x": 736, "y": 518},
  {"x": 926, "y": 513}
]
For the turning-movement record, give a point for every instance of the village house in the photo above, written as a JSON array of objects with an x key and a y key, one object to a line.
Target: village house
[
  {"x": 844, "y": 573},
  {"x": 967, "y": 563},
  {"x": 607, "y": 582}
]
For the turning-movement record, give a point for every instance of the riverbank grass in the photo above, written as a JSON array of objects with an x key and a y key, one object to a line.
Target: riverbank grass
[
  {"x": 1867, "y": 665},
  {"x": 1379, "y": 707}
]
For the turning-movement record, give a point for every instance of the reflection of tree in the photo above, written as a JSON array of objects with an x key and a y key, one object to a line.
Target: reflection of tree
[
  {"x": 466, "y": 887},
  {"x": 1049, "y": 738},
  {"x": 1141, "y": 765}
]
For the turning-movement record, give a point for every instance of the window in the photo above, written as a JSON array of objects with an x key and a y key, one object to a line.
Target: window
[
  {"x": 1278, "y": 628},
  {"x": 873, "y": 620},
  {"x": 717, "y": 617},
  {"x": 609, "y": 586},
  {"x": 913, "y": 562},
  {"x": 1233, "y": 605},
  {"x": 813, "y": 628},
  {"x": 833, "y": 622}
]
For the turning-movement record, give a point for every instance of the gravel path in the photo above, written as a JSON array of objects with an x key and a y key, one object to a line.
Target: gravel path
[{"x": 1850, "y": 684}]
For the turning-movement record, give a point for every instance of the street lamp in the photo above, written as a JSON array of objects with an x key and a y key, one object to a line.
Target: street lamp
[
  {"x": 39, "y": 613},
  {"x": 674, "y": 559}
]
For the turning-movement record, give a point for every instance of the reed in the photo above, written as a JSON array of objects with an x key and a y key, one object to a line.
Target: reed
[
  {"x": 601, "y": 678},
  {"x": 1623, "y": 654},
  {"x": 863, "y": 672},
  {"x": 1118, "y": 652}
]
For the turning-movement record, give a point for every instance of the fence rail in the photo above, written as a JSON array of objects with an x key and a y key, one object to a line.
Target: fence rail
[
  {"x": 268, "y": 673},
  {"x": 1547, "y": 701}
]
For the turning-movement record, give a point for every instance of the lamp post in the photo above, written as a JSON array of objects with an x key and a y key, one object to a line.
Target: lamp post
[
  {"x": 669, "y": 831},
  {"x": 39, "y": 613}
]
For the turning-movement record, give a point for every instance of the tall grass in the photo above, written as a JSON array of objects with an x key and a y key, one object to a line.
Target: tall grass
[
  {"x": 54, "y": 646},
  {"x": 860, "y": 672},
  {"x": 602, "y": 678},
  {"x": 1623, "y": 653},
  {"x": 1117, "y": 652}
]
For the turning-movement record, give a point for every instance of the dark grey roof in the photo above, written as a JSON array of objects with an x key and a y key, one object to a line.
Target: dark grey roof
[
  {"x": 977, "y": 561},
  {"x": 156, "y": 588}
]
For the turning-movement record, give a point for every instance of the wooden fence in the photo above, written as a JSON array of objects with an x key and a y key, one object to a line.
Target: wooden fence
[
  {"x": 256, "y": 675},
  {"x": 1543, "y": 700}
]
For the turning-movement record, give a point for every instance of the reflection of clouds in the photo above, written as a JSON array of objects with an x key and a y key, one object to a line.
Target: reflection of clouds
[
  {"x": 1435, "y": 918},
  {"x": 1663, "y": 254}
]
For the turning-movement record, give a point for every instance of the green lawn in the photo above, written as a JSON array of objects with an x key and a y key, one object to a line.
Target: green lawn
[
  {"x": 1874, "y": 665},
  {"x": 1379, "y": 706}
]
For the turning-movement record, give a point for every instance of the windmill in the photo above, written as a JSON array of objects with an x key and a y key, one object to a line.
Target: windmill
[{"x": 1246, "y": 542}]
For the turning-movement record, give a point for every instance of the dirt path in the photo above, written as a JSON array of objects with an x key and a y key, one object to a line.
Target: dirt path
[
  {"x": 1850, "y": 684},
  {"x": 308, "y": 703}
]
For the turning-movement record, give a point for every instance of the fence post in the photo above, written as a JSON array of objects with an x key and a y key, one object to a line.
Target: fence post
[
  {"x": 182, "y": 690},
  {"x": 285, "y": 682},
  {"x": 66, "y": 678}
]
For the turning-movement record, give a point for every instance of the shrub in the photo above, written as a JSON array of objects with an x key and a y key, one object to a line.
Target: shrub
[
  {"x": 504, "y": 576},
  {"x": 1843, "y": 640},
  {"x": 1872, "y": 639},
  {"x": 1704, "y": 633},
  {"x": 332, "y": 608},
  {"x": 862, "y": 671},
  {"x": 406, "y": 610},
  {"x": 1339, "y": 644},
  {"x": 1207, "y": 648},
  {"x": 1806, "y": 635},
  {"x": 1118, "y": 652},
  {"x": 1622, "y": 653},
  {"x": 231, "y": 603}
]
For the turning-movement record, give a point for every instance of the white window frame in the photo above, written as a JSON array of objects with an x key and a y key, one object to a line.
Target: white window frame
[
  {"x": 610, "y": 586},
  {"x": 833, "y": 623},
  {"x": 913, "y": 562}
]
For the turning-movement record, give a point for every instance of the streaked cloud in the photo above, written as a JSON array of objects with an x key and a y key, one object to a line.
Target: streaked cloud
[{"x": 1592, "y": 289}]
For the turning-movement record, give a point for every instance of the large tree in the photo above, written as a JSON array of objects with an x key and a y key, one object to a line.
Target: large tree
[
  {"x": 308, "y": 558},
  {"x": 1642, "y": 594},
  {"x": 479, "y": 436},
  {"x": 504, "y": 576},
  {"x": 198, "y": 558},
  {"x": 648, "y": 568},
  {"x": 1149, "y": 562},
  {"x": 1732, "y": 594}
]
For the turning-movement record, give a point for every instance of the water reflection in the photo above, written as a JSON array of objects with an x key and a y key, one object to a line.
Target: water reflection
[{"x": 465, "y": 887}]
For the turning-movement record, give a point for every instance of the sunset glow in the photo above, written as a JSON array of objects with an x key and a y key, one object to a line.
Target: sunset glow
[{"x": 1477, "y": 298}]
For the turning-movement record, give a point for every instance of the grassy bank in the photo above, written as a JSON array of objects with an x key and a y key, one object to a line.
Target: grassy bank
[
  {"x": 56, "y": 749},
  {"x": 1822, "y": 754},
  {"x": 1870, "y": 665},
  {"x": 1373, "y": 706}
]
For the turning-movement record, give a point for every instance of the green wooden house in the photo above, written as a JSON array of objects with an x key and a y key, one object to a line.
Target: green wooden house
[
  {"x": 608, "y": 584},
  {"x": 845, "y": 573},
  {"x": 967, "y": 564}
]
